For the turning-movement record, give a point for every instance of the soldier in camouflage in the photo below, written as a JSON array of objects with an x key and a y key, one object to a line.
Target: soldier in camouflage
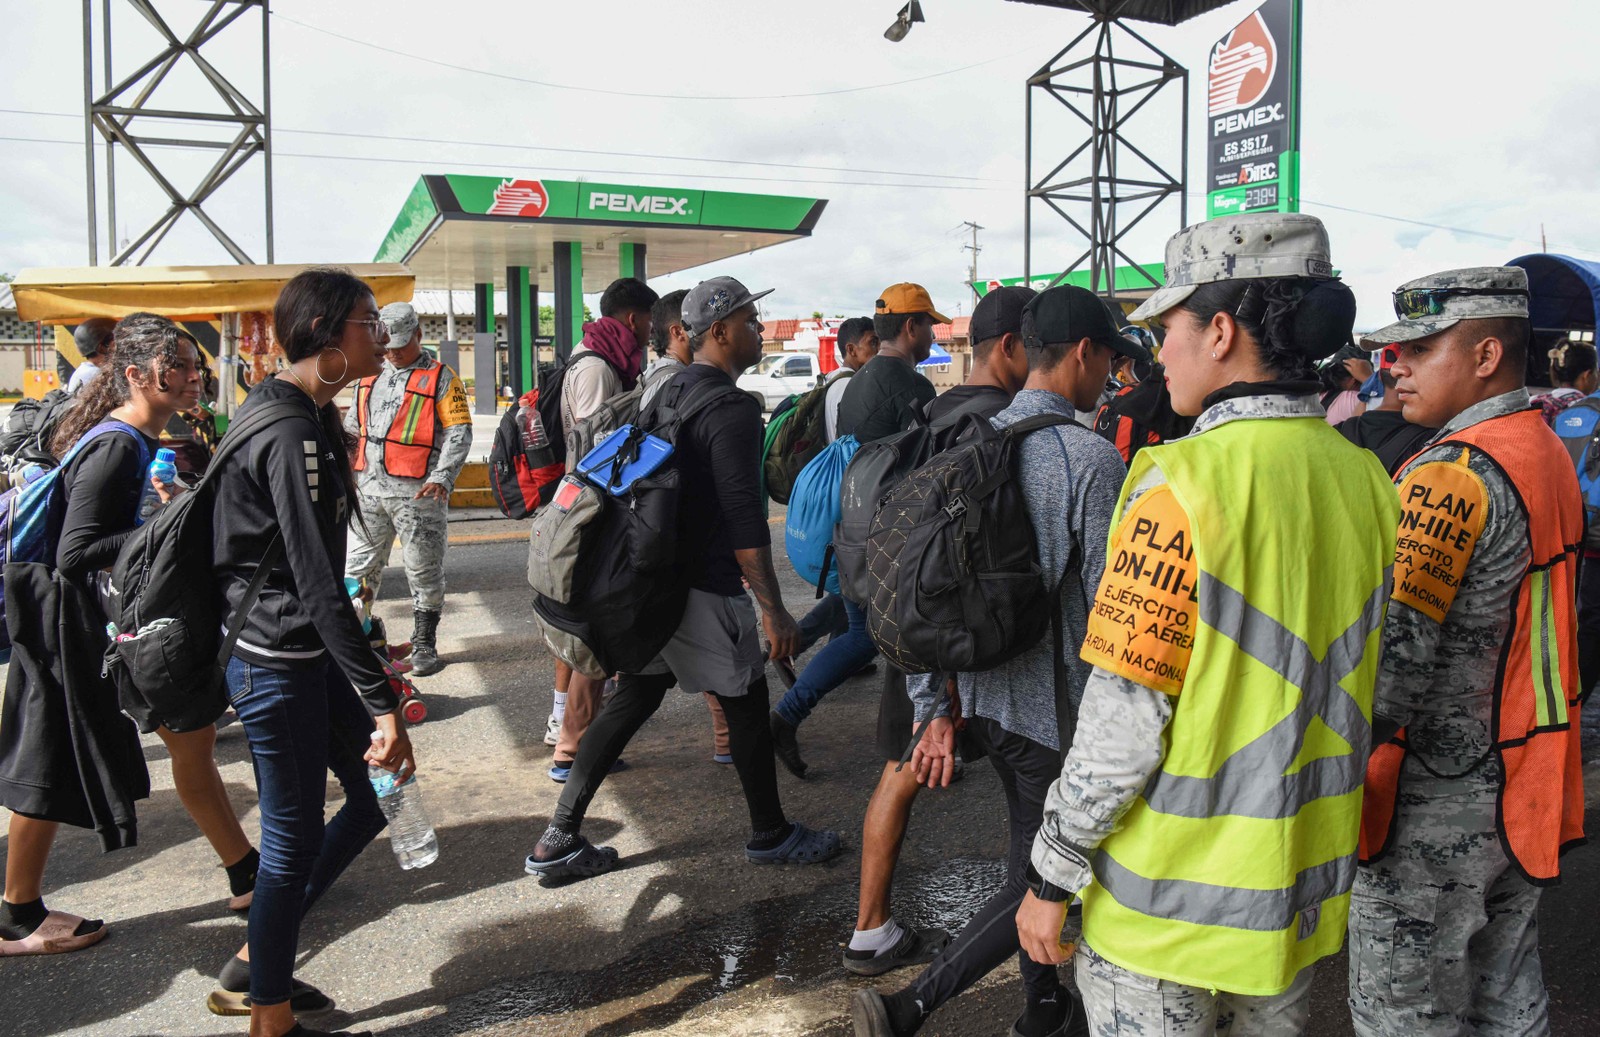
[
  {"x": 415, "y": 430},
  {"x": 1228, "y": 364},
  {"x": 1443, "y": 921}
]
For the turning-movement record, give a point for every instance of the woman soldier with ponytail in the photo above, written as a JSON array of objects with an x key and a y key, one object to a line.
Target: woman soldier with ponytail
[
  {"x": 307, "y": 686},
  {"x": 154, "y": 372},
  {"x": 1207, "y": 813}
]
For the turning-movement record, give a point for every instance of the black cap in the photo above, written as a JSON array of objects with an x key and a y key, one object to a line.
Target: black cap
[
  {"x": 999, "y": 312},
  {"x": 1067, "y": 313}
]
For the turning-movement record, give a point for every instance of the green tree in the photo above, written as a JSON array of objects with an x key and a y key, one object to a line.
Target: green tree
[
  {"x": 547, "y": 319},
  {"x": 7, "y": 278}
]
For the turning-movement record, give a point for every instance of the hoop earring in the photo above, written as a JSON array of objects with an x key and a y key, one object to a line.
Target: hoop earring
[{"x": 332, "y": 381}]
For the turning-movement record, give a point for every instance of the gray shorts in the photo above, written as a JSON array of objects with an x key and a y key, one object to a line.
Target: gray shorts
[{"x": 718, "y": 646}]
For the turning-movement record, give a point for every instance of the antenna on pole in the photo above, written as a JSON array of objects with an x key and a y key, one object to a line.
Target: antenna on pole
[
  {"x": 1544, "y": 246},
  {"x": 974, "y": 248}
]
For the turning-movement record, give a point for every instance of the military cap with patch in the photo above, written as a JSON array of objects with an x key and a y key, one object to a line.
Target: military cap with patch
[
  {"x": 1431, "y": 304},
  {"x": 1231, "y": 248}
]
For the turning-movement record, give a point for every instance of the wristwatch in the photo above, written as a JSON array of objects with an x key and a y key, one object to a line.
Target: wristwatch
[{"x": 1044, "y": 889}]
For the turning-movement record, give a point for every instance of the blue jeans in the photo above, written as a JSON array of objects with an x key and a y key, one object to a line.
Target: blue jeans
[
  {"x": 826, "y": 618},
  {"x": 301, "y": 724},
  {"x": 829, "y": 668}
]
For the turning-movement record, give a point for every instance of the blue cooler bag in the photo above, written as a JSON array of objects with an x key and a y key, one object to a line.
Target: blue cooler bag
[
  {"x": 623, "y": 457},
  {"x": 813, "y": 512}
]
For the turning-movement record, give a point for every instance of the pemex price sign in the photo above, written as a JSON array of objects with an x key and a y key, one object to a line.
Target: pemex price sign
[{"x": 1253, "y": 114}]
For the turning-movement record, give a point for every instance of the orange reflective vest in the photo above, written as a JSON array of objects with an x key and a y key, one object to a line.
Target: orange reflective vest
[
  {"x": 408, "y": 442},
  {"x": 1536, "y": 731}
]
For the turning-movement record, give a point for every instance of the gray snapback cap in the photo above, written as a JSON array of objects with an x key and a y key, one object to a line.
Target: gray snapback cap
[
  {"x": 713, "y": 299},
  {"x": 1231, "y": 248}
]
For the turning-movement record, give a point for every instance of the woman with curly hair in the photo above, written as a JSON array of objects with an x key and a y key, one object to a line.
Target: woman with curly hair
[{"x": 105, "y": 440}]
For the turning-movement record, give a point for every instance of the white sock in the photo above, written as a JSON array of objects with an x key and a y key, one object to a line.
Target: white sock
[
  {"x": 559, "y": 710},
  {"x": 880, "y": 940}
]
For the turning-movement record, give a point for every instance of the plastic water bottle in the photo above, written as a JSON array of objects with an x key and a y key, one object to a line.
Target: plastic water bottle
[
  {"x": 164, "y": 469},
  {"x": 410, "y": 832},
  {"x": 534, "y": 436}
]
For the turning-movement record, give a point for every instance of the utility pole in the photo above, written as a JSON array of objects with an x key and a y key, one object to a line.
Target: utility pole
[{"x": 972, "y": 268}]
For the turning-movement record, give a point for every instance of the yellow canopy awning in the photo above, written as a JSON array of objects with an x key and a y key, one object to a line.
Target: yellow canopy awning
[{"x": 69, "y": 295}]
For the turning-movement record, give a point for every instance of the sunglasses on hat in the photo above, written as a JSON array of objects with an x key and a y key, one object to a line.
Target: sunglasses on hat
[{"x": 1416, "y": 303}]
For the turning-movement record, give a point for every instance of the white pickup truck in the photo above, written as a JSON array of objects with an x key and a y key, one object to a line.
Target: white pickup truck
[{"x": 780, "y": 375}]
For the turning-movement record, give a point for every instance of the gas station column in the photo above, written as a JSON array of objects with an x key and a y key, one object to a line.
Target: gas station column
[
  {"x": 630, "y": 260},
  {"x": 485, "y": 385},
  {"x": 522, "y": 326},
  {"x": 569, "y": 296}
]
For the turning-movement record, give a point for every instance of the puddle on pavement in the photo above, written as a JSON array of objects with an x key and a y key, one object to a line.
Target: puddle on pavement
[{"x": 793, "y": 941}]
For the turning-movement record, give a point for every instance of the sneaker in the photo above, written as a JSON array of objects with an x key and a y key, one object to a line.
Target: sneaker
[
  {"x": 722, "y": 758},
  {"x": 552, "y": 730},
  {"x": 559, "y": 774},
  {"x": 916, "y": 947}
]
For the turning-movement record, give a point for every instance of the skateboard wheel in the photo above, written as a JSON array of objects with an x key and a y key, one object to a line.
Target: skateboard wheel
[{"x": 415, "y": 711}]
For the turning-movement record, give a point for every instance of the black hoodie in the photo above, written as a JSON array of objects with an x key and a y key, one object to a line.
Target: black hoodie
[
  {"x": 1388, "y": 434},
  {"x": 289, "y": 476}
]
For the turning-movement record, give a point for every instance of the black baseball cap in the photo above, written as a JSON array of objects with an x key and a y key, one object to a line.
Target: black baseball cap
[
  {"x": 999, "y": 312},
  {"x": 1067, "y": 313}
]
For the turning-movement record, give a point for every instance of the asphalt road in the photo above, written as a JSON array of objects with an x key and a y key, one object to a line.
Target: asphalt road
[{"x": 685, "y": 938}]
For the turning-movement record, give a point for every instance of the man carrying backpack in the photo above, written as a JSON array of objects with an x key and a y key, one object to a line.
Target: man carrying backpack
[
  {"x": 414, "y": 430},
  {"x": 880, "y": 400},
  {"x": 717, "y": 646},
  {"x": 1069, "y": 479},
  {"x": 879, "y": 943},
  {"x": 606, "y": 363}
]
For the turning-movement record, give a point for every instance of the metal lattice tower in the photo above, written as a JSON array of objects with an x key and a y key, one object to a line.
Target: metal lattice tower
[
  {"x": 120, "y": 113},
  {"x": 1107, "y": 185}
]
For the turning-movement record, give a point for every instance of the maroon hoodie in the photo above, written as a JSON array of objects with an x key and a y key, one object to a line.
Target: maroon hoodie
[{"x": 614, "y": 340}]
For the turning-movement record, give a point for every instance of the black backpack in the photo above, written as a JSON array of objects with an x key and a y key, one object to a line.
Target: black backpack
[
  {"x": 628, "y": 593},
  {"x": 798, "y": 442},
  {"x": 25, "y": 439},
  {"x": 952, "y": 564},
  {"x": 167, "y": 655},
  {"x": 876, "y": 469}
]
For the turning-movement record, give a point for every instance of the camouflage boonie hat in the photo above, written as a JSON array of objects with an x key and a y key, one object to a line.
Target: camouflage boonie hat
[
  {"x": 401, "y": 320},
  {"x": 1231, "y": 248},
  {"x": 1431, "y": 304}
]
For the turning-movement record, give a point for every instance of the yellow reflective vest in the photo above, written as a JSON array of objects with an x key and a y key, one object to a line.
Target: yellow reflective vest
[{"x": 1232, "y": 870}]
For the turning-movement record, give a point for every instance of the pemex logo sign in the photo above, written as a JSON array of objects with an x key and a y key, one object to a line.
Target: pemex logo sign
[
  {"x": 1242, "y": 66},
  {"x": 519, "y": 198}
]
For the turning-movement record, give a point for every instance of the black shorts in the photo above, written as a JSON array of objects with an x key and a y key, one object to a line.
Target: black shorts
[{"x": 897, "y": 721}]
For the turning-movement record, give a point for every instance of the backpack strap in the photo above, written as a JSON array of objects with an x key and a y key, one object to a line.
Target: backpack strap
[
  {"x": 674, "y": 416},
  {"x": 269, "y": 562}
]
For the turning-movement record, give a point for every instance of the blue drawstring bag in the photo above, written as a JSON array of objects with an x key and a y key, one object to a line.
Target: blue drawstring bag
[{"x": 813, "y": 512}]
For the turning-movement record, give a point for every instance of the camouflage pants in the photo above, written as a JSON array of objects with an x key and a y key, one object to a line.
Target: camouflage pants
[
  {"x": 1444, "y": 938},
  {"x": 1121, "y": 1003},
  {"x": 423, "y": 531}
]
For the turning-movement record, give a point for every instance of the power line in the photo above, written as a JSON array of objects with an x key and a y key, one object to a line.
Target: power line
[
  {"x": 567, "y": 151},
  {"x": 645, "y": 95},
  {"x": 558, "y": 169}
]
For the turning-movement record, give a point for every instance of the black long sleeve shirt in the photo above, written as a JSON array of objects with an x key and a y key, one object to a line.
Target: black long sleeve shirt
[
  {"x": 100, "y": 490},
  {"x": 290, "y": 477}
]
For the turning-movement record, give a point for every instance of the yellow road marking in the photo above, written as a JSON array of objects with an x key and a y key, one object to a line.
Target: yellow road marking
[{"x": 489, "y": 538}]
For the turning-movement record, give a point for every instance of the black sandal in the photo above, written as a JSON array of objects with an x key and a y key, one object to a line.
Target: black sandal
[{"x": 585, "y": 862}]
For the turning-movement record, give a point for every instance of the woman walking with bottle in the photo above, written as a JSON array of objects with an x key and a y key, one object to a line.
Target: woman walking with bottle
[{"x": 307, "y": 686}]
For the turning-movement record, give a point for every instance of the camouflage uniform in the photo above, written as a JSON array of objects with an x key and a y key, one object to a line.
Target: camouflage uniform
[
  {"x": 1120, "y": 739},
  {"x": 1118, "y": 746},
  {"x": 389, "y": 504},
  {"x": 1443, "y": 928}
]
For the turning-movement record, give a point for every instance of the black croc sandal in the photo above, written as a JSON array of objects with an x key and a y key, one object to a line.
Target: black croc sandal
[
  {"x": 585, "y": 862},
  {"x": 804, "y": 846}
]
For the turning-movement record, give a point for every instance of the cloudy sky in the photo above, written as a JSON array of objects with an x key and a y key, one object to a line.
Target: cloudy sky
[{"x": 1435, "y": 133}]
